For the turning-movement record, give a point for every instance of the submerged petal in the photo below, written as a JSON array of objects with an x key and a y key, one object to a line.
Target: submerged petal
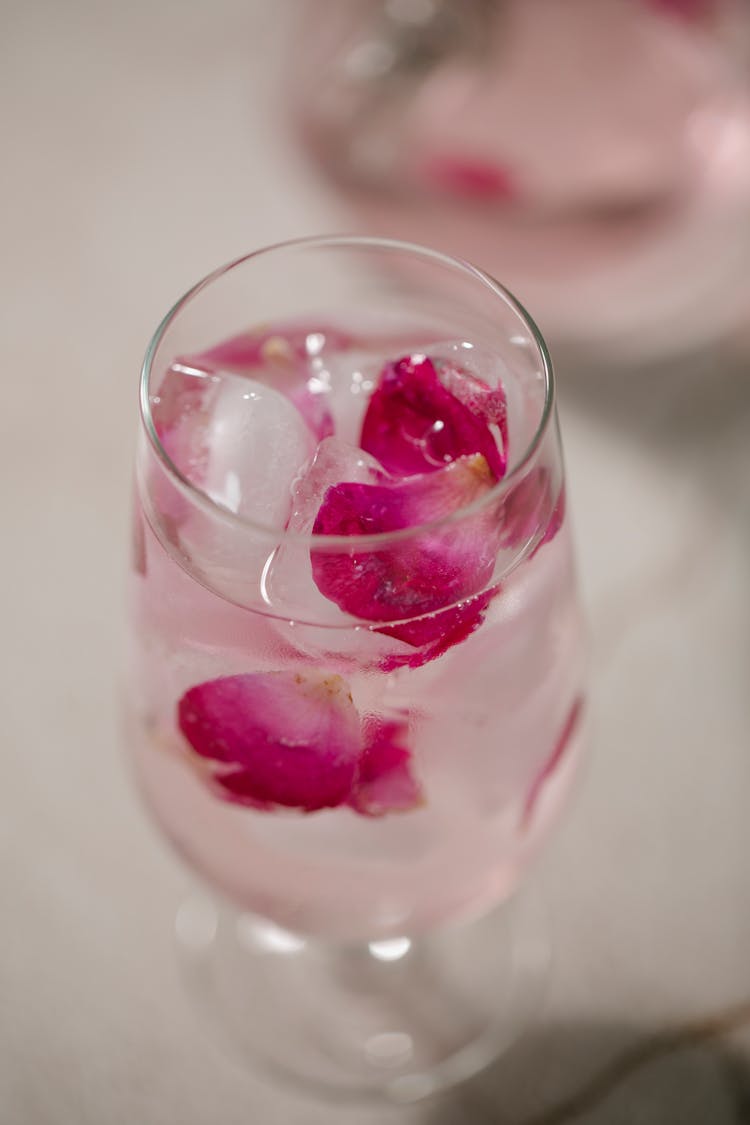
[
  {"x": 530, "y": 506},
  {"x": 432, "y": 636},
  {"x": 285, "y": 356},
  {"x": 414, "y": 424},
  {"x": 276, "y": 344},
  {"x": 553, "y": 761},
  {"x": 276, "y": 738},
  {"x": 138, "y": 542},
  {"x": 425, "y": 572},
  {"x": 385, "y": 782}
]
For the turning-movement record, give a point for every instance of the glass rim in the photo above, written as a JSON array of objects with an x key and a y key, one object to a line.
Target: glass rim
[{"x": 374, "y": 539}]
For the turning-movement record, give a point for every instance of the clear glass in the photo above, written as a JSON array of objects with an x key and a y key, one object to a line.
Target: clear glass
[
  {"x": 513, "y": 133},
  {"x": 471, "y": 709}
]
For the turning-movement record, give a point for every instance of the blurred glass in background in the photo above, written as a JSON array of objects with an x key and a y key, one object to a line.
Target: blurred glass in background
[{"x": 594, "y": 155}]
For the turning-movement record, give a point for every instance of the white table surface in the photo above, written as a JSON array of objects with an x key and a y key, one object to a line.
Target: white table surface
[{"x": 140, "y": 148}]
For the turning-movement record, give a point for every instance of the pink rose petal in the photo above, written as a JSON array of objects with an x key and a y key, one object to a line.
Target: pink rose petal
[
  {"x": 470, "y": 178},
  {"x": 425, "y": 572},
  {"x": 138, "y": 541},
  {"x": 692, "y": 11},
  {"x": 434, "y": 635},
  {"x": 285, "y": 357},
  {"x": 276, "y": 738},
  {"x": 279, "y": 343},
  {"x": 384, "y": 781},
  {"x": 413, "y": 424},
  {"x": 553, "y": 761},
  {"x": 529, "y": 506}
]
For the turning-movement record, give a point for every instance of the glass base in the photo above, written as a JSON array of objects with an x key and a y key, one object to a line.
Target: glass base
[{"x": 398, "y": 1020}]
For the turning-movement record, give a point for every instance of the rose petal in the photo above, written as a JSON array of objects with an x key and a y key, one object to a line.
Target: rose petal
[
  {"x": 334, "y": 462},
  {"x": 425, "y": 572},
  {"x": 530, "y": 506},
  {"x": 384, "y": 781},
  {"x": 434, "y": 635},
  {"x": 276, "y": 738},
  {"x": 692, "y": 11},
  {"x": 138, "y": 542},
  {"x": 280, "y": 343},
  {"x": 286, "y": 355},
  {"x": 470, "y": 178},
  {"x": 413, "y": 424},
  {"x": 552, "y": 762}
]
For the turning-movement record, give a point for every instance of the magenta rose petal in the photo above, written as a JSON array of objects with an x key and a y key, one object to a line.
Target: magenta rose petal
[
  {"x": 692, "y": 11},
  {"x": 529, "y": 506},
  {"x": 413, "y": 424},
  {"x": 285, "y": 356},
  {"x": 238, "y": 787},
  {"x": 385, "y": 782},
  {"x": 434, "y": 635},
  {"x": 470, "y": 178},
  {"x": 278, "y": 343},
  {"x": 555, "y": 520},
  {"x": 334, "y": 462},
  {"x": 552, "y": 762},
  {"x": 427, "y": 571},
  {"x": 275, "y": 738}
]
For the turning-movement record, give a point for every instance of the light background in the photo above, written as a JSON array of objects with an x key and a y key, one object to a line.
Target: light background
[{"x": 140, "y": 148}]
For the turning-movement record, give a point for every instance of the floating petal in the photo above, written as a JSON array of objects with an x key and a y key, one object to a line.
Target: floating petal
[
  {"x": 285, "y": 356},
  {"x": 427, "y": 571},
  {"x": 413, "y": 424}
]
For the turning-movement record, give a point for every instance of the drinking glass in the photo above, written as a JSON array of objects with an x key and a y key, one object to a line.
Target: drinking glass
[{"x": 355, "y": 682}]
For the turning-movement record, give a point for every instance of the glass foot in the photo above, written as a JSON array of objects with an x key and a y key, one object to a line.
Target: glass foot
[{"x": 400, "y": 1019}]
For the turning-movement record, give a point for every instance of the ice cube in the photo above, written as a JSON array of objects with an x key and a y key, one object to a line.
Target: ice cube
[
  {"x": 481, "y": 363},
  {"x": 335, "y": 462},
  {"x": 349, "y": 378},
  {"x": 242, "y": 444},
  {"x": 289, "y": 586},
  {"x": 291, "y": 358},
  {"x": 255, "y": 444}
]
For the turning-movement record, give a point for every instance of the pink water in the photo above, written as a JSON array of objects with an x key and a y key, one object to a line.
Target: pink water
[{"x": 493, "y": 727}]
